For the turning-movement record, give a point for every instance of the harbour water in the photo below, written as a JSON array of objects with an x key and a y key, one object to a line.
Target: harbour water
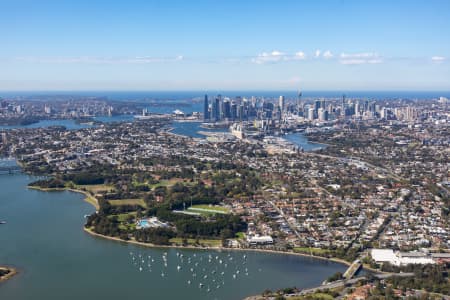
[
  {"x": 190, "y": 129},
  {"x": 300, "y": 140},
  {"x": 71, "y": 124},
  {"x": 56, "y": 259}
]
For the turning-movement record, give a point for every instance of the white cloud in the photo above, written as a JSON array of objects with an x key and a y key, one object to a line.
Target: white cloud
[
  {"x": 100, "y": 60},
  {"x": 360, "y": 58},
  {"x": 267, "y": 57},
  {"x": 300, "y": 55},
  {"x": 276, "y": 53},
  {"x": 327, "y": 54},
  {"x": 438, "y": 59},
  {"x": 344, "y": 58},
  {"x": 277, "y": 56}
]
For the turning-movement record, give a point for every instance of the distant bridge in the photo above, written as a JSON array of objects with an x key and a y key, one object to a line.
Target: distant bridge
[{"x": 10, "y": 169}]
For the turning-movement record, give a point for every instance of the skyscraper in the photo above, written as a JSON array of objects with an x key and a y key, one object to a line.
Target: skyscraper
[
  {"x": 343, "y": 106},
  {"x": 316, "y": 106},
  {"x": 216, "y": 109},
  {"x": 206, "y": 109},
  {"x": 299, "y": 103},
  {"x": 281, "y": 103},
  {"x": 357, "y": 109},
  {"x": 226, "y": 110},
  {"x": 311, "y": 114}
]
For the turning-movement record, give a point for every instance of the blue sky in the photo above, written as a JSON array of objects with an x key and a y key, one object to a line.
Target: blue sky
[{"x": 224, "y": 45}]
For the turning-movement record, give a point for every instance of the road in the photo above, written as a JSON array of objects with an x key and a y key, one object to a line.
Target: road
[{"x": 341, "y": 283}]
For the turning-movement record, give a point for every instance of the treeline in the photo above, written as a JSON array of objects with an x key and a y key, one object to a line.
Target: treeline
[
  {"x": 52, "y": 183},
  {"x": 104, "y": 225},
  {"x": 223, "y": 226},
  {"x": 107, "y": 209},
  {"x": 219, "y": 226},
  {"x": 85, "y": 178},
  {"x": 158, "y": 236},
  {"x": 175, "y": 196},
  {"x": 432, "y": 278}
]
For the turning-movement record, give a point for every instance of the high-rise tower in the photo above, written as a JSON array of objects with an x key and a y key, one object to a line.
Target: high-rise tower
[
  {"x": 206, "y": 109},
  {"x": 281, "y": 103},
  {"x": 343, "y": 106}
]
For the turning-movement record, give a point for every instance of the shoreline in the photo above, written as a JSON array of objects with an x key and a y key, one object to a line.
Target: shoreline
[
  {"x": 149, "y": 245},
  {"x": 87, "y": 197},
  {"x": 12, "y": 273}
]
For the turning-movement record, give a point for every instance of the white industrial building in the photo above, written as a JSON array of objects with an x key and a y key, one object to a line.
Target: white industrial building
[
  {"x": 260, "y": 240},
  {"x": 398, "y": 258}
]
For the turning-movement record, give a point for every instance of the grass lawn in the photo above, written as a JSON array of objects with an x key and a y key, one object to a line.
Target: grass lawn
[
  {"x": 139, "y": 202},
  {"x": 205, "y": 208},
  {"x": 314, "y": 251},
  {"x": 123, "y": 218},
  {"x": 240, "y": 235},
  {"x": 318, "y": 296},
  {"x": 203, "y": 242},
  {"x": 172, "y": 181},
  {"x": 95, "y": 188}
]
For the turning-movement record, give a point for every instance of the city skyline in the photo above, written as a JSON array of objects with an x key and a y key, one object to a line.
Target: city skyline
[{"x": 326, "y": 45}]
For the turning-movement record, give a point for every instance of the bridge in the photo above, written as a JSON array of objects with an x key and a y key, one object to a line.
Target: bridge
[
  {"x": 10, "y": 169},
  {"x": 352, "y": 269}
]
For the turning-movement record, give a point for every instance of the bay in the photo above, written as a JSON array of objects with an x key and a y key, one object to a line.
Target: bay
[{"x": 56, "y": 259}]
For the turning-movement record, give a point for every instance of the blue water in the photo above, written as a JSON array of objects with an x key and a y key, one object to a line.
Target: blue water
[
  {"x": 56, "y": 259},
  {"x": 192, "y": 128},
  {"x": 69, "y": 124},
  {"x": 143, "y": 223},
  {"x": 300, "y": 140}
]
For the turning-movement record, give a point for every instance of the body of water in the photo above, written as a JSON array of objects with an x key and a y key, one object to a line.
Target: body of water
[
  {"x": 72, "y": 124},
  {"x": 69, "y": 124},
  {"x": 44, "y": 240},
  {"x": 192, "y": 128},
  {"x": 300, "y": 140}
]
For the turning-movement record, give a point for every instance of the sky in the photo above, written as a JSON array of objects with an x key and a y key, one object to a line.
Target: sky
[{"x": 224, "y": 45}]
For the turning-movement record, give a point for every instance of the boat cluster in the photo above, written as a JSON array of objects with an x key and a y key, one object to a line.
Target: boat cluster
[{"x": 204, "y": 270}]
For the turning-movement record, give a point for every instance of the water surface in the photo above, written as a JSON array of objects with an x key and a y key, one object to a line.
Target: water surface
[{"x": 44, "y": 239}]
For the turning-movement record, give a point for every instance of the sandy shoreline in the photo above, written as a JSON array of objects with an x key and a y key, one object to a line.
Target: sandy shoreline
[{"x": 11, "y": 273}]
